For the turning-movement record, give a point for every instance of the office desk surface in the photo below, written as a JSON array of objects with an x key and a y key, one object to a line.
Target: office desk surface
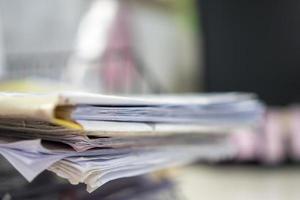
[{"x": 240, "y": 182}]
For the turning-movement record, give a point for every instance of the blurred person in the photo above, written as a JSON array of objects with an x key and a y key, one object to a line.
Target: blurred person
[{"x": 133, "y": 46}]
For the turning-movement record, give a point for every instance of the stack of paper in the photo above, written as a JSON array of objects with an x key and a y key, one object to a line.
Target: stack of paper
[
  {"x": 146, "y": 187},
  {"x": 94, "y": 138}
]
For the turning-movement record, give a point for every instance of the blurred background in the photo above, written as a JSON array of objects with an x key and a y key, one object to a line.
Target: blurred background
[
  {"x": 172, "y": 46},
  {"x": 107, "y": 46}
]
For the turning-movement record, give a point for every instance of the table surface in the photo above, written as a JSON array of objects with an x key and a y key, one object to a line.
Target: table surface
[{"x": 239, "y": 182}]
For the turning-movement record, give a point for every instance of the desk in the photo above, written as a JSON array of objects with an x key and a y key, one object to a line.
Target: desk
[{"x": 240, "y": 182}]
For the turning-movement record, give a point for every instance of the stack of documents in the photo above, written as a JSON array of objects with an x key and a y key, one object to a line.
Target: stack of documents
[
  {"x": 146, "y": 187},
  {"x": 93, "y": 139}
]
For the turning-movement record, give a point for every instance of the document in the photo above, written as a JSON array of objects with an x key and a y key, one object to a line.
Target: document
[{"x": 93, "y": 139}]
